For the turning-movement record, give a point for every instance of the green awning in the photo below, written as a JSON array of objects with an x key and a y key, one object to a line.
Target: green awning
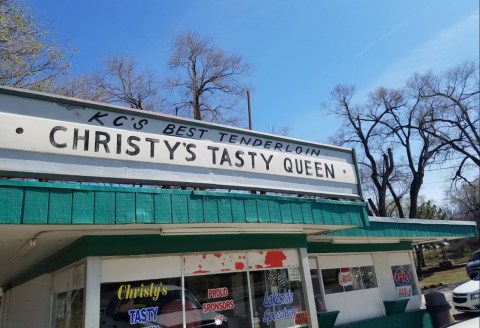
[
  {"x": 33, "y": 203},
  {"x": 417, "y": 231}
]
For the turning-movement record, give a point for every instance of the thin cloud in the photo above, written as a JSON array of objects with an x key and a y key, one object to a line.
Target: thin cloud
[
  {"x": 459, "y": 40},
  {"x": 383, "y": 37}
]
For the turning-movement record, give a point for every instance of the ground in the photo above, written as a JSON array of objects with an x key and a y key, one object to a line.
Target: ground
[{"x": 445, "y": 281}]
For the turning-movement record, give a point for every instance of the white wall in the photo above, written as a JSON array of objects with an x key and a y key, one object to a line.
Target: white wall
[
  {"x": 384, "y": 276},
  {"x": 383, "y": 264},
  {"x": 28, "y": 305}
]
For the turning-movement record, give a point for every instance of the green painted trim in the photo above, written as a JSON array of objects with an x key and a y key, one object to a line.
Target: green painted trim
[
  {"x": 33, "y": 202},
  {"x": 156, "y": 244},
  {"x": 149, "y": 189},
  {"x": 319, "y": 247},
  {"x": 409, "y": 230},
  {"x": 412, "y": 319}
]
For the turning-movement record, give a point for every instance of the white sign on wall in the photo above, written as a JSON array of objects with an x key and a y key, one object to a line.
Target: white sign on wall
[{"x": 56, "y": 137}]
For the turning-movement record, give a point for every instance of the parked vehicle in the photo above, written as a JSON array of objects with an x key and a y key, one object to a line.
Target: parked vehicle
[
  {"x": 473, "y": 266},
  {"x": 466, "y": 297}
]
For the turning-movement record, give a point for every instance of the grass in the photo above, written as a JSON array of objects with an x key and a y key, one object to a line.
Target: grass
[{"x": 445, "y": 277}]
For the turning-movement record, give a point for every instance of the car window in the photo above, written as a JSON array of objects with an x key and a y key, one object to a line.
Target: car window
[{"x": 476, "y": 256}]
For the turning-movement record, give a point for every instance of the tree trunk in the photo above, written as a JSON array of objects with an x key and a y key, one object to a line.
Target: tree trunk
[
  {"x": 196, "y": 107},
  {"x": 414, "y": 192}
]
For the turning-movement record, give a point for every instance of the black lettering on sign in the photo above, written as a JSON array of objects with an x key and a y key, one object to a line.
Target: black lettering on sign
[
  {"x": 170, "y": 148},
  {"x": 287, "y": 165},
  {"x": 152, "y": 142},
  {"x": 267, "y": 161},
  {"x": 299, "y": 166},
  {"x": 225, "y": 157},
  {"x": 52, "y": 137},
  {"x": 102, "y": 138},
  {"x": 308, "y": 167},
  {"x": 140, "y": 124},
  {"x": 85, "y": 138},
  {"x": 119, "y": 120},
  {"x": 193, "y": 156},
  {"x": 239, "y": 156},
  {"x": 116, "y": 120},
  {"x": 252, "y": 154},
  {"x": 214, "y": 150},
  {"x": 329, "y": 171},
  {"x": 119, "y": 144},
  {"x": 184, "y": 131},
  {"x": 135, "y": 147},
  {"x": 97, "y": 118},
  {"x": 222, "y": 134},
  {"x": 181, "y": 129},
  {"x": 169, "y": 129},
  {"x": 318, "y": 169}
]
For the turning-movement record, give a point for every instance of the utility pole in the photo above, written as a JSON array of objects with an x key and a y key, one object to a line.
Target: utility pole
[{"x": 249, "y": 111}]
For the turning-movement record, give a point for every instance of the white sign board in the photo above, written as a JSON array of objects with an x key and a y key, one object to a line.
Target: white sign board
[{"x": 47, "y": 136}]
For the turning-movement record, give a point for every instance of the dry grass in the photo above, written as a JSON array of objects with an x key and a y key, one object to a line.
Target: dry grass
[{"x": 445, "y": 277}]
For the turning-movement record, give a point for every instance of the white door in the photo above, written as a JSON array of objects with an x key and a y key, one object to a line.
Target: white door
[{"x": 351, "y": 286}]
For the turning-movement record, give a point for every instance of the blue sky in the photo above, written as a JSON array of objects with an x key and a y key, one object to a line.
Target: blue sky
[{"x": 299, "y": 50}]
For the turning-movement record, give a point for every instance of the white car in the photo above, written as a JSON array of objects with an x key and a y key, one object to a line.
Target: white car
[{"x": 466, "y": 297}]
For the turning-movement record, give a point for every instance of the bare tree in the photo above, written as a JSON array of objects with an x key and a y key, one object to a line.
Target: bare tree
[
  {"x": 431, "y": 118},
  {"x": 29, "y": 57},
  {"x": 121, "y": 82},
  {"x": 401, "y": 108},
  {"x": 395, "y": 153},
  {"x": 283, "y": 130},
  {"x": 209, "y": 83},
  {"x": 361, "y": 125},
  {"x": 455, "y": 117},
  {"x": 84, "y": 87},
  {"x": 463, "y": 201}
]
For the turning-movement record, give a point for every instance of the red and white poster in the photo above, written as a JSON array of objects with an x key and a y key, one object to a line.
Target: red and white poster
[
  {"x": 403, "y": 291},
  {"x": 345, "y": 277}
]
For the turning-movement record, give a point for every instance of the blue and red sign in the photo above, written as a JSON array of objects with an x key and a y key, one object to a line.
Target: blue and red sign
[{"x": 401, "y": 277}]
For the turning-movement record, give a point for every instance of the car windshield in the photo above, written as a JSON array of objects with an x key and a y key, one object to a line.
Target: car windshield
[{"x": 477, "y": 278}]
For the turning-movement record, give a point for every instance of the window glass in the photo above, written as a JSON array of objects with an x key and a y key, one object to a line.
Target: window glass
[
  {"x": 68, "y": 294},
  {"x": 353, "y": 279},
  {"x": 405, "y": 285},
  {"x": 330, "y": 281},
  {"x": 146, "y": 303},
  {"x": 223, "y": 298},
  {"x": 277, "y": 298},
  {"x": 317, "y": 290},
  {"x": 348, "y": 279},
  {"x": 69, "y": 309},
  {"x": 369, "y": 279}
]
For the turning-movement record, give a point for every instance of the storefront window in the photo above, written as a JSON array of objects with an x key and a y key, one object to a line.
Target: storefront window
[
  {"x": 68, "y": 297},
  {"x": 220, "y": 290},
  {"x": 277, "y": 298},
  {"x": 69, "y": 309},
  {"x": 147, "y": 303},
  {"x": 369, "y": 279},
  {"x": 317, "y": 286},
  {"x": 405, "y": 285},
  {"x": 348, "y": 279},
  {"x": 223, "y": 298}
]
